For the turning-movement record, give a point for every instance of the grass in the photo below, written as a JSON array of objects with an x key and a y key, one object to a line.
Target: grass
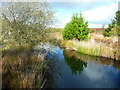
[
  {"x": 95, "y": 45},
  {"x": 84, "y": 47},
  {"x": 21, "y": 75},
  {"x": 24, "y": 67},
  {"x": 90, "y": 51}
]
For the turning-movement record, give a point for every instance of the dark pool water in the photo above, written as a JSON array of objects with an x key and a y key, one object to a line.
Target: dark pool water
[
  {"x": 64, "y": 69},
  {"x": 83, "y": 71}
]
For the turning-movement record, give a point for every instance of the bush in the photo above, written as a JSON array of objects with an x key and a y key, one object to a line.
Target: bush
[
  {"x": 115, "y": 31},
  {"x": 76, "y": 28},
  {"x": 107, "y": 31},
  {"x": 25, "y": 23},
  {"x": 113, "y": 28}
]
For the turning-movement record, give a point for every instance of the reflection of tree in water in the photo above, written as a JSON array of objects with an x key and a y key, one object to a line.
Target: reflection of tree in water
[
  {"x": 32, "y": 73},
  {"x": 53, "y": 71},
  {"x": 75, "y": 64},
  {"x": 52, "y": 74},
  {"x": 116, "y": 64},
  {"x": 69, "y": 55}
]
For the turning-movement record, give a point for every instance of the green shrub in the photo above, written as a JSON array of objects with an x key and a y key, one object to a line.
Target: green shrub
[
  {"x": 107, "y": 31},
  {"x": 113, "y": 28},
  {"x": 115, "y": 31},
  {"x": 76, "y": 28}
]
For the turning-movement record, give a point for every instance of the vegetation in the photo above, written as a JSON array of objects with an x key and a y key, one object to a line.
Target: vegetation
[
  {"x": 96, "y": 45},
  {"x": 113, "y": 28},
  {"x": 75, "y": 65},
  {"x": 25, "y": 68},
  {"x": 107, "y": 31},
  {"x": 18, "y": 73},
  {"x": 86, "y": 58},
  {"x": 76, "y": 28},
  {"x": 25, "y": 23}
]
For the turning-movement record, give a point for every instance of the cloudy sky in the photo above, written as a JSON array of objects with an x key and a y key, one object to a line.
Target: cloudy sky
[{"x": 96, "y": 12}]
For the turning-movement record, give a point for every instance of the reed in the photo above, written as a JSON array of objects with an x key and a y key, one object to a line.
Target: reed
[{"x": 94, "y": 48}]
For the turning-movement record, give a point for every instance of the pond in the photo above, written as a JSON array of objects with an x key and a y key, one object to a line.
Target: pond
[
  {"x": 70, "y": 69},
  {"x": 83, "y": 71}
]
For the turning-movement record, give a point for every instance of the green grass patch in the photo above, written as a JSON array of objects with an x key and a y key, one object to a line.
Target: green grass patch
[{"x": 91, "y": 51}]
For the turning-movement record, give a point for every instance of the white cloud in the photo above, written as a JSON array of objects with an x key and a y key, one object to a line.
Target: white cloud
[
  {"x": 101, "y": 13},
  {"x": 62, "y": 22},
  {"x": 81, "y": 0},
  {"x": 96, "y": 17},
  {"x": 58, "y": 0},
  {"x": 97, "y": 26}
]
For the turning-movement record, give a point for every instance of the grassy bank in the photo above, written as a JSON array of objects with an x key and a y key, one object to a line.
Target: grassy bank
[
  {"x": 25, "y": 67},
  {"x": 21, "y": 69},
  {"x": 96, "y": 45}
]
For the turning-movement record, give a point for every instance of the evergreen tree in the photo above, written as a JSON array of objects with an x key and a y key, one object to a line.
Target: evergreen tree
[
  {"x": 76, "y": 28},
  {"x": 113, "y": 28},
  {"x": 117, "y": 18},
  {"x": 107, "y": 31}
]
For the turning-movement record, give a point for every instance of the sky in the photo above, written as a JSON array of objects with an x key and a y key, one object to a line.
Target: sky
[{"x": 97, "y": 13}]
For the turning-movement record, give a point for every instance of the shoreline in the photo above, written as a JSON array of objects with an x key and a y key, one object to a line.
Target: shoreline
[{"x": 95, "y": 46}]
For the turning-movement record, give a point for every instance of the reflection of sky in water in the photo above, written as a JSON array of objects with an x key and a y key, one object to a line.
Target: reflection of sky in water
[
  {"x": 95, "y": 75},
  {"x": 101, "y": 76}
]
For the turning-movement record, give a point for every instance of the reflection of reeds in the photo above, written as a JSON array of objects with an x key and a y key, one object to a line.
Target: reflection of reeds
[
  {"x": 105, "y": 61},
  {"x": 85, "y": 58}
]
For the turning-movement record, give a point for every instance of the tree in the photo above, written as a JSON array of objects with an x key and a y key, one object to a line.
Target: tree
[
  {"x": 107, "y": 31},
  {"x": 116, "y": 30},
  {"x": 117, "y": 18},
  {"x": 75, "y": 64},
  {"x": 25, "y": 22},
  {"x": 113, "y": 28},
  {"x": 76, "y": 28}
]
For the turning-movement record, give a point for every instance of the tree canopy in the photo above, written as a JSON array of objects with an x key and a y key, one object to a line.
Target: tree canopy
[
  {"x": 76, "y": 28},
  {"x": 25, "y": 22},
  {"x": 113, "y": 28}
]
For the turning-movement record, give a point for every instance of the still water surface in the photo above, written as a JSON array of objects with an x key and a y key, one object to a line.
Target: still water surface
[
  {"x": 83, "y": 71},
  {"x": 66, "y": 69}
]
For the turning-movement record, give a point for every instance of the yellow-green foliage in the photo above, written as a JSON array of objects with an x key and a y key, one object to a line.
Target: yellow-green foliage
[
  {"x": 91, "y": 47},
  {"x": 115, "y": 31},
  {"x": 113, "y": 28},
  {"x": 91, "y": 51}
]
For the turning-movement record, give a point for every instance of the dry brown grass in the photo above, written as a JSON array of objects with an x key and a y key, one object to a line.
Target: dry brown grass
[
  {"x": 22, "y": 71},
  {"x": 97, "y": 45}
]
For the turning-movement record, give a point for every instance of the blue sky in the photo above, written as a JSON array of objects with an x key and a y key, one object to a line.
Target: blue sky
[{"x": 96, "y": 13}]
